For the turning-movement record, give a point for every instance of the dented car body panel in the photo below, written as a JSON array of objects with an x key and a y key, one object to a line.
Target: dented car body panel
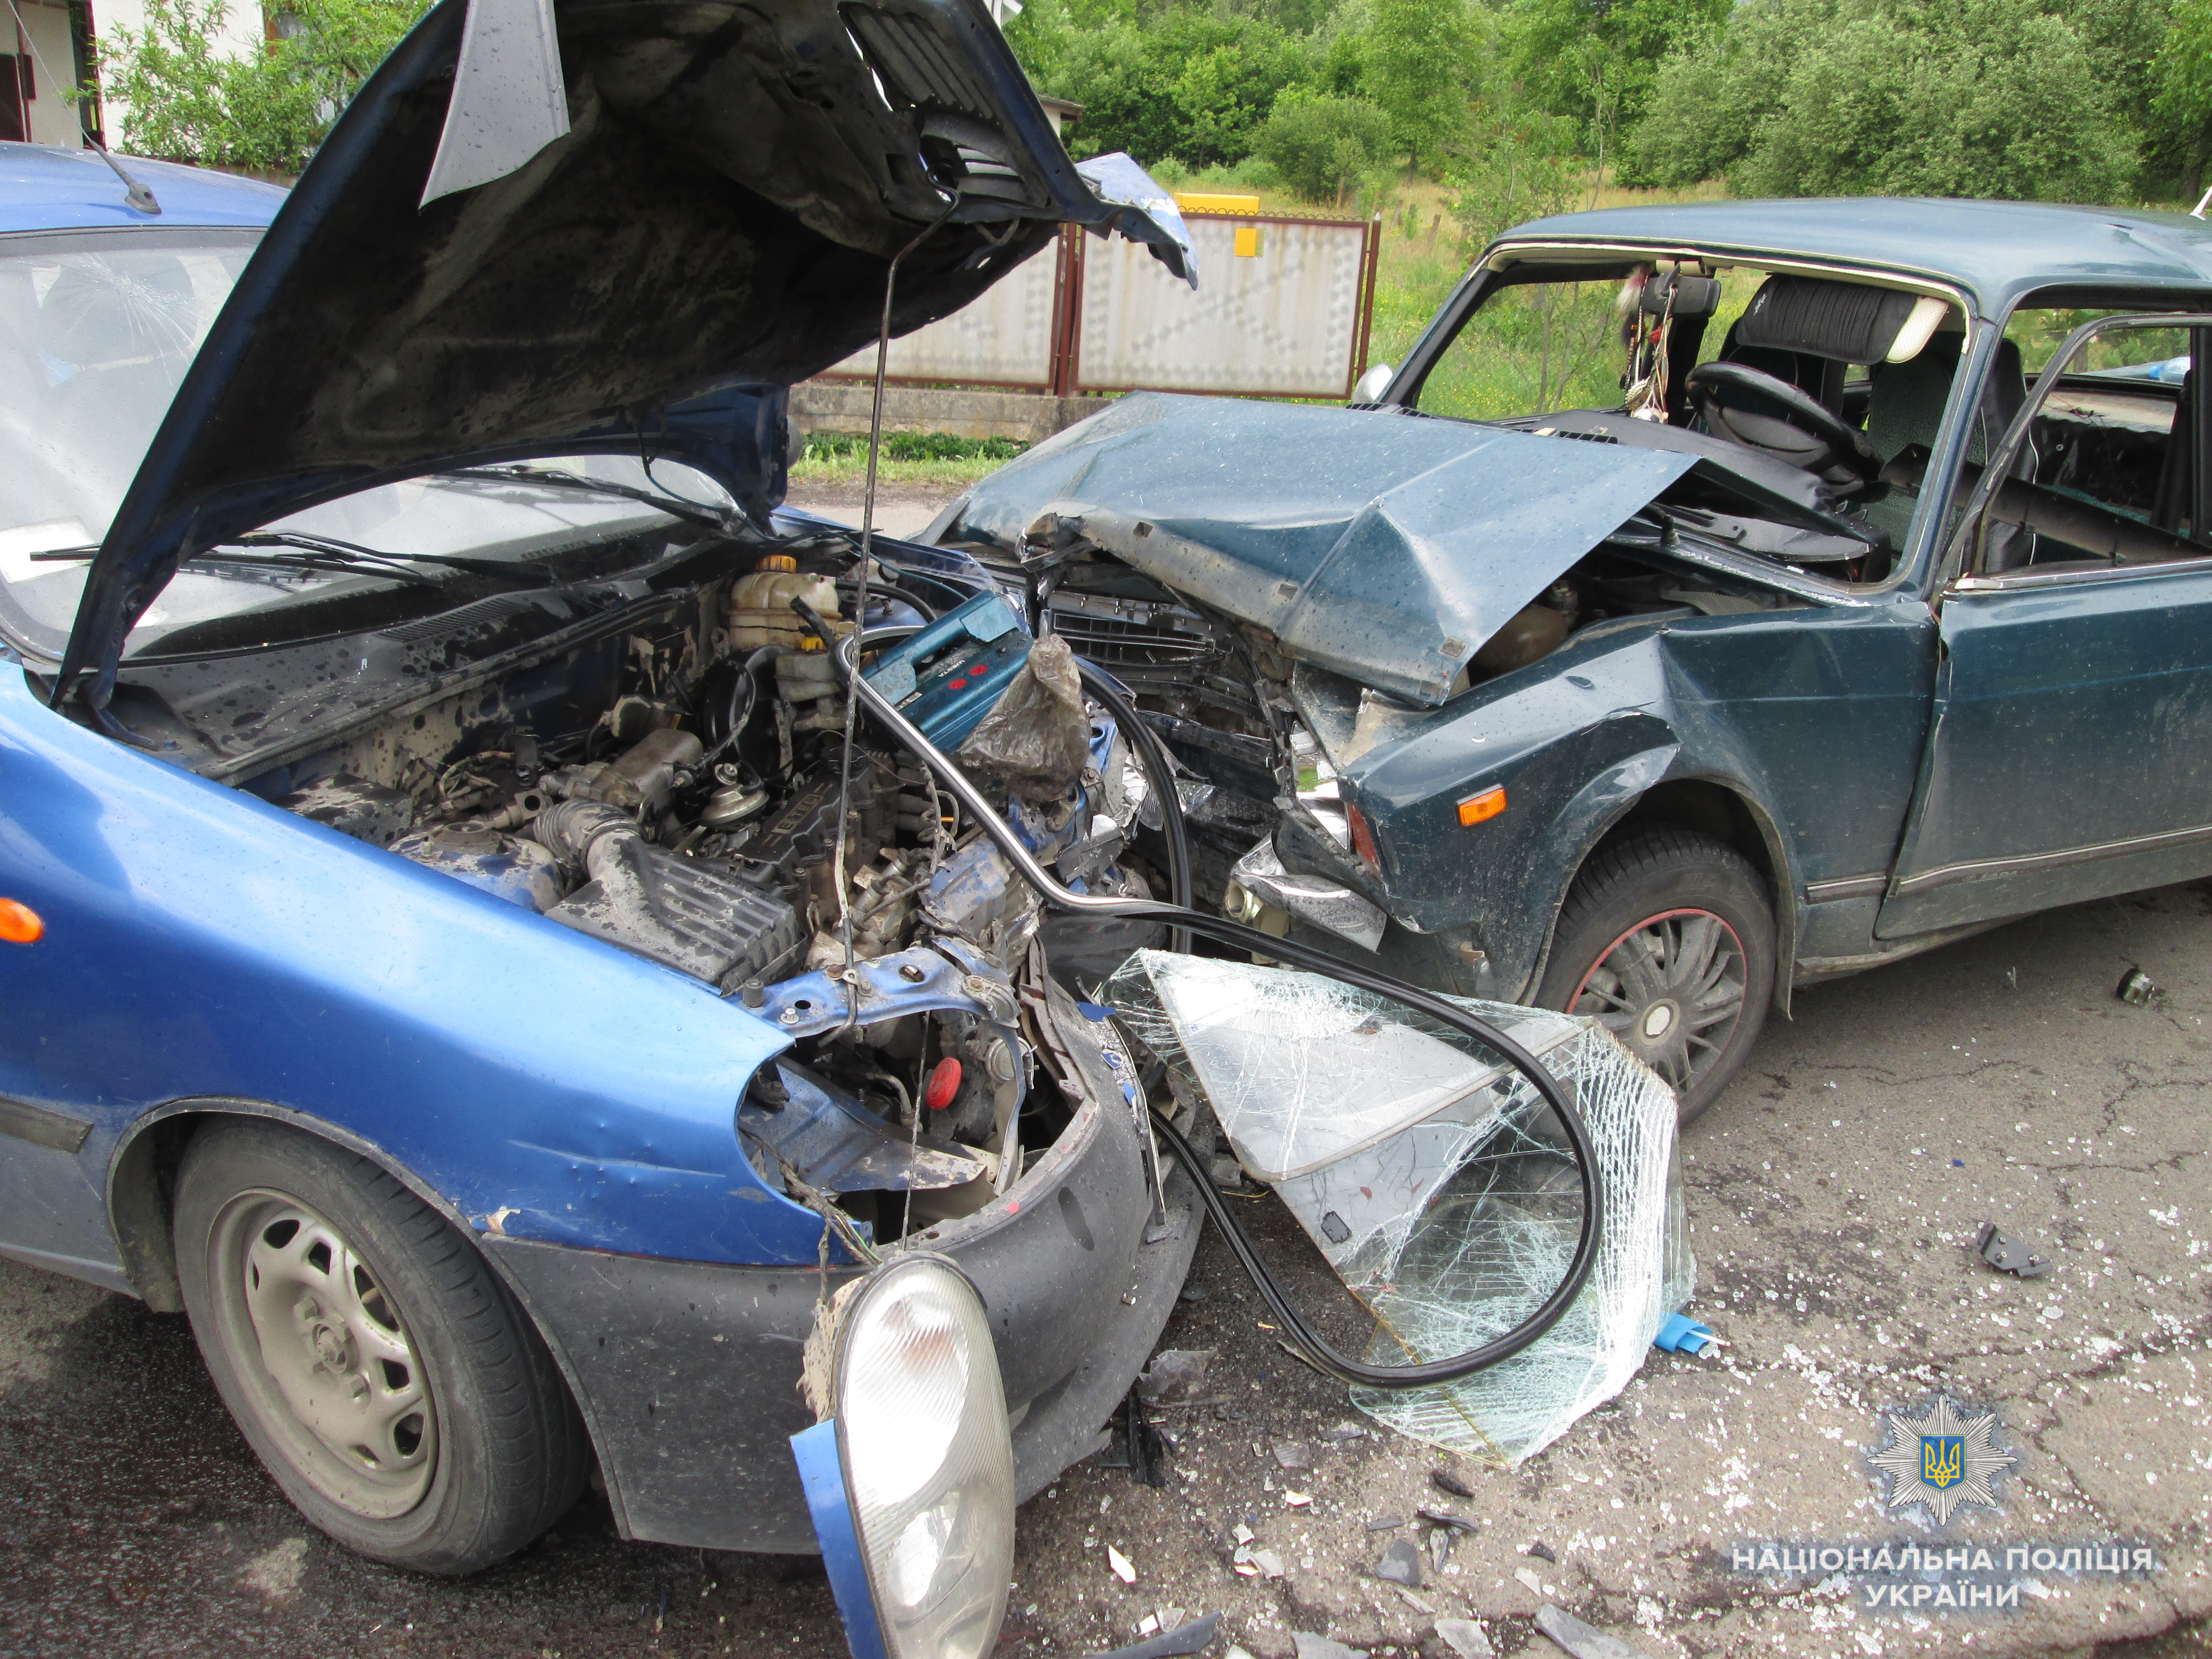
[
  {"x": 1787, "y": 648},
  {"x": 471, "y": 818}
]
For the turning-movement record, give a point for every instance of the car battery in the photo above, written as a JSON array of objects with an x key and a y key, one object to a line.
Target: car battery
[{"x": 945, "y": 679}]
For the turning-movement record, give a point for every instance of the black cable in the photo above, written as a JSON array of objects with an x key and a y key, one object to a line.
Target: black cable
[
  {"x": 845, "y": 656},
  {"x": 1160, "y": 770},
  {"x": 1426, "y": 1375},
  {"x": 748, "y": 682}
]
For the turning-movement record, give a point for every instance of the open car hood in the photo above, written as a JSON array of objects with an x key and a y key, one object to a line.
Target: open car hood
[
  {"x": 600, "y": 225},
  {"x": 1384, "y": 547}
]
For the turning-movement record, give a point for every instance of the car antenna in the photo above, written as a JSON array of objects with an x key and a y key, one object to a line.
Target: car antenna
[{"x": 138, "y": 195}]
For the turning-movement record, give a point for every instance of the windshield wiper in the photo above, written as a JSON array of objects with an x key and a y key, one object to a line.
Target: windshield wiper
[
  {"x": 328, "y": 553},
  {"x": 674, "y": 507}
]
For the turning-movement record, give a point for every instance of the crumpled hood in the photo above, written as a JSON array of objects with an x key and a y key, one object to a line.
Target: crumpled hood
[
  {"x": 661, "y": 216},
  {"x": 1384, "y": 546}
]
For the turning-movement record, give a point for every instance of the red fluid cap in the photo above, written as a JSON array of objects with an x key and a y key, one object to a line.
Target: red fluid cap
[{"x": 944, "y": 1084}]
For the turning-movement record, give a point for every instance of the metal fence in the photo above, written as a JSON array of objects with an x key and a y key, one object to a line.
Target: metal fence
[{"x": 1283, "y": 309}]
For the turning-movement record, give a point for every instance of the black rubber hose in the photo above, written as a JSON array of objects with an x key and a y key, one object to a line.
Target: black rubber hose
[
  {"x": 845, "y": 655},
  {"x": 1160, "y": 770},
  {"x": 748, "y": 682}
]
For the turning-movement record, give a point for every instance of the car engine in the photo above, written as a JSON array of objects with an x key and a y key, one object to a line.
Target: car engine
[{"x": 677, "y": 791}]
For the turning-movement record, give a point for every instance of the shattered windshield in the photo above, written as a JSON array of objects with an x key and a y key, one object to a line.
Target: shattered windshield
[{"x": 97, "y": 330}]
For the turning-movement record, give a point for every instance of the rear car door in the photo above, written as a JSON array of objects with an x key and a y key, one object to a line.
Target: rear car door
[{"x": 2070, "y": 754}]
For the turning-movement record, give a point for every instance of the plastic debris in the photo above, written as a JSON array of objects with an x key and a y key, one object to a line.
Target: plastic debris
[
  {"x": 1542, "y": 1551},
  {"x": 1240, "y": 1533},
  {"x": 1296, "y": 1500},
  {"x": 1193, "y": 1637},
  {"x": 2008, "y": 1257},
  {"x": 1449, "y": 1518},
  {"x": 1679, "y": 1333},
  {"x": 1310, "y": 1646},
  {"x": 1384, "y": 1523},
  {"x": 1440, "y": 1543},
  {"x": 1465, "y": 1638},
  {"x": 1036, "y": 738},
  {"x": 1268, "y": 1562},
  {"x": 1527, "y": 1579},
  {"x": 1124, "y": 1569},
  {"x": 1428, "y": 1174},
  {"x": 1144, "y": 1453},
  {"x": 1419, "y": 1603},
  {"x": 1343, "y": 1433},
  {"x": 1293, "y": 1455},
  {"x": 1400, "y": 1565},
  {"x": 1447, "y": 1482},
  {"x": 1580, "y": 1639},
  {"x": 2137, "y": 987},
  {"x": 1175, "y": 1374}
]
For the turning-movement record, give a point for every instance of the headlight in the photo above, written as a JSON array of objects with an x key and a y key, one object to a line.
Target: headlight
[{"x": 925, "y": 1463}]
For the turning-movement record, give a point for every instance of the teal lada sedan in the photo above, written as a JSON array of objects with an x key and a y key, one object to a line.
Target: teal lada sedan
[{"x": 1716, "y": 598}]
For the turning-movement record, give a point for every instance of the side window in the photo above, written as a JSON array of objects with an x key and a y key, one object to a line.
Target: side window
[{"x": 2110, "y": 469}]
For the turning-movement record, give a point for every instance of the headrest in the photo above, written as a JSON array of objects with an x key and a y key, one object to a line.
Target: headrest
[{"x": 1844, "y": 322}]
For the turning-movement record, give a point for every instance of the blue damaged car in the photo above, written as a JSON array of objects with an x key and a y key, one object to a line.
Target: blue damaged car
[
  {"x": 1718, "y": 598},
  {"x": 446, "y": 947}
]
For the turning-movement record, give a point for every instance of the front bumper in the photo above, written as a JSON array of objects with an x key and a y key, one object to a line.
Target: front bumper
[{"x": 688, "y": 1372}]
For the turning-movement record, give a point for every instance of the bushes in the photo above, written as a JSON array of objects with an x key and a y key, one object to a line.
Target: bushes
[
  {"x": 1968, "y": 98},
  {"x": 1324, "y": 146},
  {"x": 268, "y": 110}
]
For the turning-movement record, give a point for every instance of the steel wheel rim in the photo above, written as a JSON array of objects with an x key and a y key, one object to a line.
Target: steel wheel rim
[
  {"x": 315, "y": 1335},
  {"x": 1672, "y": 989}
]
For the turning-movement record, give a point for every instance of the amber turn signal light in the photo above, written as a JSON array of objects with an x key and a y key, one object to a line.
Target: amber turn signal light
[
  {"x": 1363, "y": 838},
  {"x": 20, "y": 924},
  {"x": 1477, "y": 809}
]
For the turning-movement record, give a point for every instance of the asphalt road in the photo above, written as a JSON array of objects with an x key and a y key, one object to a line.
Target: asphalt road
[
  {"x": 1832, "y": 1224},
  {"x": 1835, "y": 1192}
]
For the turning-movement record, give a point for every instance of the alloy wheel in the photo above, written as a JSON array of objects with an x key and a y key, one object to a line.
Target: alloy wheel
[{"x": 1672, "y": 989}]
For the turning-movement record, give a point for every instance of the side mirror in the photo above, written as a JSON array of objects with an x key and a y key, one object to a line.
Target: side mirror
[{"x": 1372, "y": 384}]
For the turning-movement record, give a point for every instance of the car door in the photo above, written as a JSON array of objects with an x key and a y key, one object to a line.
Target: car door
[{"x": 2070, "y": 753}]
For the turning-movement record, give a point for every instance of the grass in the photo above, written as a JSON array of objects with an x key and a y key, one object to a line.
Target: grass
[{"x": 917, "y": 459}]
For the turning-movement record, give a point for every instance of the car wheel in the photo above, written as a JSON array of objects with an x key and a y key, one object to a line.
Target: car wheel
[
  {"x": 383, "y": 1376},
  {"x": 1668, "y": 937}
]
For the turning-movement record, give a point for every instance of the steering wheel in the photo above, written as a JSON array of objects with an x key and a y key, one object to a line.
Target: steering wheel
[{"x": 1792, "y": 407}]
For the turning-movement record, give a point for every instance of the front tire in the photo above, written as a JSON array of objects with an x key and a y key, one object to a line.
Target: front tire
[
  {"x": 383, "y": 1375},
  {"x": 1667, "y": 938}
]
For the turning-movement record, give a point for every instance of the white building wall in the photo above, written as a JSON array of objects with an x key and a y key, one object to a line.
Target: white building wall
[{"x": 53, "y": 117}]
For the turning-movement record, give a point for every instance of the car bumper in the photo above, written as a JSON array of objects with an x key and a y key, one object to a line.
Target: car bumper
[{"x": 688, "y": 1372}]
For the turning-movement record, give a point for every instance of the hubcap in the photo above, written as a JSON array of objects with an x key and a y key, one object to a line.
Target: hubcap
[
  {"x": 344, "y": 1389},
  {"x": 1672, "y": 989}
]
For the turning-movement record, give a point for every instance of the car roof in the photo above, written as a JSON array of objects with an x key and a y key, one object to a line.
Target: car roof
[
  {"x": 1997, "y": 251},
  {"x": 48, "y": 187}
]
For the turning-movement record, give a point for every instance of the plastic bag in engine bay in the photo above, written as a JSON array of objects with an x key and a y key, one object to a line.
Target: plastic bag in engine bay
[{"x": 1427, "y": 1176}]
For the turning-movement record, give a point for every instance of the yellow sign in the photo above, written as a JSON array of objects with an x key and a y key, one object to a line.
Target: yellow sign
[
  {"x": 1248, "y": 241},
  {"x": 1201, "y": 202}
]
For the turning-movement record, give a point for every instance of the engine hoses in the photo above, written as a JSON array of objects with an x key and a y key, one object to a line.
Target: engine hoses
[{"x": 1057, "y": 897}]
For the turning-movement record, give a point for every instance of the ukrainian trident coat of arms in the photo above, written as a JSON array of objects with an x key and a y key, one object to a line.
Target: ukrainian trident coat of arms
[{"x": 1941, "y": 1457}]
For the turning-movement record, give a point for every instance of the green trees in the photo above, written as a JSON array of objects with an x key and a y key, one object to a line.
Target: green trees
[
  {"x": 1324, "y": 147},
  {"x": 1414, "y": 66},
  {"x": 2008, "y": 99},
  {"x": 268, "y": 110}
]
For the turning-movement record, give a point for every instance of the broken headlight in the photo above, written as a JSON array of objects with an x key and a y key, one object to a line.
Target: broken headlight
[{"x": 927, "y": 1464}]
